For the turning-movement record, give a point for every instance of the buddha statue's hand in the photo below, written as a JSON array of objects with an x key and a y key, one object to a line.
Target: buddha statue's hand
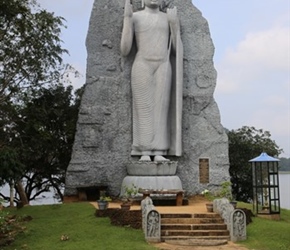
[{"x": 128, "y": 11}]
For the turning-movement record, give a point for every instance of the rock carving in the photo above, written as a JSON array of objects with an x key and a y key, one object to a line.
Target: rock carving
[
  {"x": 146, "y": 204},
  {"x": 153, "y": 224},
  {"x": 238, "y": 231}
]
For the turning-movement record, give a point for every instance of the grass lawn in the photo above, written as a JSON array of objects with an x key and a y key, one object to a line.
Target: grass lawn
[
  {"x": 77, "y": 221},
  {"x": 263, "y": 234},
  {"x": 86, "y": 232}
]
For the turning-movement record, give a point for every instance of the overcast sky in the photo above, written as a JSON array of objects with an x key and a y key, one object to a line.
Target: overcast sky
[{"x": 252, "y": 57}]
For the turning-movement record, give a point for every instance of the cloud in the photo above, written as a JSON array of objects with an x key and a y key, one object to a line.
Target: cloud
[
  {"x": 276, "y": 101},
  {"x": 259, "y": 57},
  {"x": 265, "y": 50},
  {"x": 253, "y": 85},
  {"x": 277, "y": 123}
]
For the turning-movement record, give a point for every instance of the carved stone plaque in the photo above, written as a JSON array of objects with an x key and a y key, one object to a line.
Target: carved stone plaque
[{"x": 204, "y": 170}]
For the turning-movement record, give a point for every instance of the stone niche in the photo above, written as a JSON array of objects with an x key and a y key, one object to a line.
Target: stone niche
[{"x": 101, "y": 151}]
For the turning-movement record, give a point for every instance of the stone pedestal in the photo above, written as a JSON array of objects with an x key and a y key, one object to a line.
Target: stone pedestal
[
  {"x": 152, "y": 176},
  {"x": 138, "y": 168}
]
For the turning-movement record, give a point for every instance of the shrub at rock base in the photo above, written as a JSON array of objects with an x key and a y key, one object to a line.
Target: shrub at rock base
[{"x": 119, "y": 217}]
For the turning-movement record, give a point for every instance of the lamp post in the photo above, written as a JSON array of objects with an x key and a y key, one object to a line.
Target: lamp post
[{"x": 266, "y": 201}]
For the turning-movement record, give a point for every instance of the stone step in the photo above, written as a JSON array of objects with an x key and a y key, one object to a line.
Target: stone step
[
  {"x": 182, "y": 237},
  {"x": 191, "y": 221},
  {"x": 193, "y": 233},
  {"x": 216, "y": 226},
  {"x": 202, "y": 229},
  {"x": 182, "y": 241},
  {"x": 206, "y": 215},
  {"x": 199, "y": 215}
]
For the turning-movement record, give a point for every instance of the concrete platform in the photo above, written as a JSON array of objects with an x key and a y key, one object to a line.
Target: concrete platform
[{"x": 195, "y": 205}]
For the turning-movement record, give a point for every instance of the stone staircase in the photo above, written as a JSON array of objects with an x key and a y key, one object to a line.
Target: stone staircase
[{"x": 194, "y": 229}]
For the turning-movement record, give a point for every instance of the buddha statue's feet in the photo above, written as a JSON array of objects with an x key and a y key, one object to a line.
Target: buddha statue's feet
[
  {"x": 145, "y": 158},
  {"x": 159, "y": 158}
]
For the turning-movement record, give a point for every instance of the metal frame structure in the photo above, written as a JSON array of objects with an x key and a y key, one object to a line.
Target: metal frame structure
[{"x": 266, "y": 199}]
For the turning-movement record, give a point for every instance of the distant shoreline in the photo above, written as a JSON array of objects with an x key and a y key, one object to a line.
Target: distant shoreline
[{"x": 284, "y": 172}]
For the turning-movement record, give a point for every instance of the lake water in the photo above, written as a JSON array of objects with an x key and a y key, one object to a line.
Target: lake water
[
  {"x": 284, "y": 184},
  {"x": 45, "y": 198}
]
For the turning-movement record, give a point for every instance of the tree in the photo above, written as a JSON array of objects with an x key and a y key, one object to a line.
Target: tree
[
  {"x": 11, "y": 169},
  {"x": 30, "y": 59},
  {"x": 30, "y": 47},
  {"x": 47, "y": 131},
  {"x": 284, "y": 164},
  {"x": 30, "y": 54},
  {"x": 245, "y": 144},
  {"x": 43, "y": 135}
]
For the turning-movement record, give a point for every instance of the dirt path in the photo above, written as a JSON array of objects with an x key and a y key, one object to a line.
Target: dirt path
[{"x": 229, "y": 246}]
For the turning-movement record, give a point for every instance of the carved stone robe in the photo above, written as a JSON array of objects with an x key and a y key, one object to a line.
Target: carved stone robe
[{"x": 157, "y": 91}]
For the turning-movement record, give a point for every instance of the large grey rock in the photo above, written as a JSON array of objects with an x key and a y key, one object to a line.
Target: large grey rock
[{"x": 103, "y": 139}]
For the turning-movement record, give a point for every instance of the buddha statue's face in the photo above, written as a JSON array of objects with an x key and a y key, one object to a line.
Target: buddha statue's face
[{"x": 152, "y": 3}]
